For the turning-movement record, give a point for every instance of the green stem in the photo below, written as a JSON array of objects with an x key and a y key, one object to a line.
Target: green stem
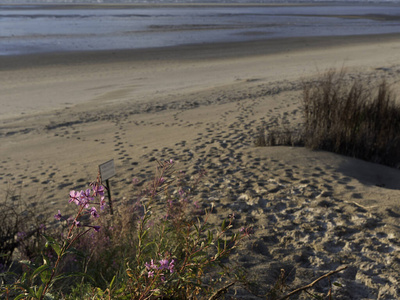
[{"x": 65, "y": 247}]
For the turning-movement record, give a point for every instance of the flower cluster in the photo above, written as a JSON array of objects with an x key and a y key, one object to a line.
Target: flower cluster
[
  {"x": 84, "y": 199},
  {"x": 164, "y": 264}
]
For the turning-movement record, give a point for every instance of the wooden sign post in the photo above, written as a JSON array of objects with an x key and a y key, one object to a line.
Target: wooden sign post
[{"x": 107, "y": 170}]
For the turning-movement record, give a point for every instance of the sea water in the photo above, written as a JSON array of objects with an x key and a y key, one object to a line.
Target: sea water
[{"x": 36, "y": 28}]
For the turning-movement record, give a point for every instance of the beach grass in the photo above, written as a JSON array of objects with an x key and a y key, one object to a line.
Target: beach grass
[{"x": 347, "y": 117}]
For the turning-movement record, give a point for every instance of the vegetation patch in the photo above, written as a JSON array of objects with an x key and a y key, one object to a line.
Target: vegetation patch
[{"x": 345, "y": 117}]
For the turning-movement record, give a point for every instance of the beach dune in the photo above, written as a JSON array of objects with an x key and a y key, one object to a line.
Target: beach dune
[{"x": 63, "y": 114}]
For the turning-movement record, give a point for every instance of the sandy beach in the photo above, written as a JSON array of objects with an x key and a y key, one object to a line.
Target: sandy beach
[{"x": 63, "y": 114}]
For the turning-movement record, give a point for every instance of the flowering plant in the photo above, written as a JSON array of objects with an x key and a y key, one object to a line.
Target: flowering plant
[
  {"x": 37, "y": 283},
  {"x": 162, "y": 247},
  {"x": 176, "y": 247}
]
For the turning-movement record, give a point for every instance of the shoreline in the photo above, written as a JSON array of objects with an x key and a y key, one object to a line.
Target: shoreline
[
  {"x": 225, "y": 50},
  {"x": 147, "y": 5},
  {"x": 47, "y": 83}
]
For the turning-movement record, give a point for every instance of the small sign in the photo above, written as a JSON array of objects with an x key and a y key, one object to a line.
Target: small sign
[{"x": 107, "y": 170}]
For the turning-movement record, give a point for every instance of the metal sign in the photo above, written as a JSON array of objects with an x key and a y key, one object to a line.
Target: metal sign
[{"x": 107, "y": 170}]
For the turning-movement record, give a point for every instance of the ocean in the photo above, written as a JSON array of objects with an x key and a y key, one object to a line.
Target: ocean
[{"x": 31, "y": 27}]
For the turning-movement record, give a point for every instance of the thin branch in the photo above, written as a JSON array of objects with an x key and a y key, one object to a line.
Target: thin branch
[
  {"x": 312, "y": 283},
  {"x": 221, "y": 291}
]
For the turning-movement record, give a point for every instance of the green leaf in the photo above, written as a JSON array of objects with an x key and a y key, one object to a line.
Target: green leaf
[
  {"x": 144, "y": 235},
  {"x": 72, "y": 274},
  {"x": 223, "y": 226},
  {"x": 74, "y": 251},
  {"x": 112, "y": 282},
  {"x": 39, "y": 270},
  {"x": 100, "y": 292},
  {"x": 53, "y": 243},
  {"x": 23, "y": 278},
  {"x": 121, "y": 290},
  {"x": 39, "y": 292},
  {"x": 196, "y": 227},
  {"x": 45, "y": 275},
  {"x": 209, "y": 237},
  {"x": 149, "y": 244},
  {"x": 5, "y": 274},
  {"x": 28, "y": 264},
  {"x": 20, "y": 296}
]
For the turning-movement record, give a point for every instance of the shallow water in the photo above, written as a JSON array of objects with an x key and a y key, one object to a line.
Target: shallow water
[{"x": 36, "y": 28}]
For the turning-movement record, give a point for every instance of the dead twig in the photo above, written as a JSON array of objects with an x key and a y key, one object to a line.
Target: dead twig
[
  {"x": 312, "y": 283},
  {"x": 221, "y": 291}
]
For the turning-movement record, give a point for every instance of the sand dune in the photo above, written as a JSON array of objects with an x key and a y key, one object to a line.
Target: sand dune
[{"x": 312, "y": 211}]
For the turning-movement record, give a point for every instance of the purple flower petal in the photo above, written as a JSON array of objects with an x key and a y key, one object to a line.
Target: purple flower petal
[
  {"x": 58, "y": 216},
  {"x": 163, "y": 264},
  {"x": 94, "y": 213},
  {"x": 75, "y": 197}
]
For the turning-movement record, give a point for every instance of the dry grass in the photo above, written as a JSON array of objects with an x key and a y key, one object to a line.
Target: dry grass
[
  {"x": 352, "y": 119},
  {"x": 348, "y": 118}
]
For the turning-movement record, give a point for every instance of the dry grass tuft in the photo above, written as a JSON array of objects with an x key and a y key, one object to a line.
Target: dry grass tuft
[{"x": 348, "y": 118}]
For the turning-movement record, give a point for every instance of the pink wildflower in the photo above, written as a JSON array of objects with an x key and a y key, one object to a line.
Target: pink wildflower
[
  {"x": 163, "y": 264},
  {"x": 171, "y": 266},
  {"x": 75, "y": 197},
  {"x": 85, "y": 198},
  {"x": 58, "y": 216},
  {"x": 151, "y": 265},
  {"x": 94, "y": 213},
  {"x": 98, "y": 189}
]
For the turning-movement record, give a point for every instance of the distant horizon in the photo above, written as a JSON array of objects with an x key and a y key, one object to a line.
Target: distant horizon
[{"x": 60, "y": 26}]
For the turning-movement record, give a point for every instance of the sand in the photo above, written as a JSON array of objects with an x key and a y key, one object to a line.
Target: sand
[{"x": 312, "y": 211}]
